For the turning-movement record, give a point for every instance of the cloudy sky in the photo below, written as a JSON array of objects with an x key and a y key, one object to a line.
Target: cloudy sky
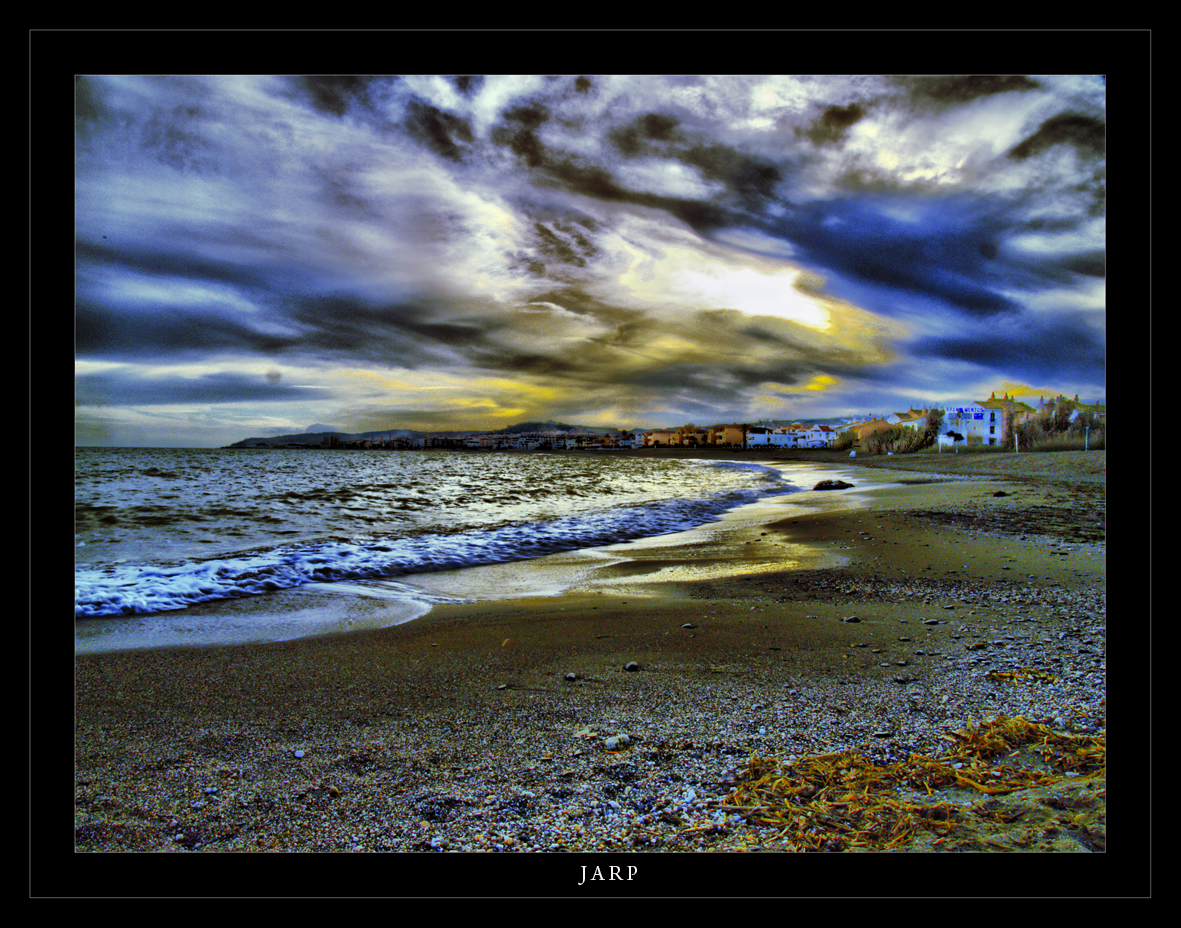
[{"x": 259, "y": 254}]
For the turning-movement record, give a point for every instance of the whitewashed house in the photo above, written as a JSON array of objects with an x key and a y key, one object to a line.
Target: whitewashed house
[
  {"x": 818, "y": 436},
  {"x": 978, "y": 424},
  {"x": 772, "y": 438}
]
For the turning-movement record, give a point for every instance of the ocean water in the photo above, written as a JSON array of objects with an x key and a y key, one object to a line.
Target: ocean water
[{"x": 159, "y": 531}]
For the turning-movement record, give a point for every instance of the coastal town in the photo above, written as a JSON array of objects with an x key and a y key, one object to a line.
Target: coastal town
[{"x": 970, "y": 423}]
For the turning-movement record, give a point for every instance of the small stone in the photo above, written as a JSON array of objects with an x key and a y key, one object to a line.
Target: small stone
[
  {"x": 299, "y": 753},
  {"x": 571, "y": 676},
  {"x": 850, "y": 618},
  {"x": 631, "y": 665}
]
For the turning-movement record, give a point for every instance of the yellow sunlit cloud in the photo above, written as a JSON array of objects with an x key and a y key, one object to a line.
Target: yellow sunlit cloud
[
  {"x": 1021, "y": 389},
  {"x": 372, "y": 379},
  {"x": 819, "y": 383},
  {"x": 454, "y": 403},
  {"x": 822, "y": 382}
]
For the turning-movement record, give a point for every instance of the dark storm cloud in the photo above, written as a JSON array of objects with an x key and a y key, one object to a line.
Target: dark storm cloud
[
  {"x": 640, "y": 135},
  {"x": 565, "y": 243},
  {"x": 118, "y": 388},
  {"x": 537, "y": 364},
  {"x": 1066, "y": 346},
  {"x": 579, "y": 176},
  {"x": 953, "y": 89},
  {"x": 109, "y": 331},
  {"x": 148, "y": 259},
  {"x": 518, "y": 132},
  {"x": 944, "y": 254},
  {"x": 176, "y": 139},
  {"x": 751, "y": 179},
  {"x": 1086, "y": 134},
  {"x": 91, "y": 110},
  {"x": 1092, "y": 263},
  {"x": 468, "y": 84},
  {"x": 328, "y": 325},
  {"x": 406, "y": 334},
  {"x": 337, "y": 93},
  {"x": 833, "y": 125},
  {"x": 444, "y": 133}
]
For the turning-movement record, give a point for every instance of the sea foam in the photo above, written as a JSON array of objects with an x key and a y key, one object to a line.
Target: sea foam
[{"x": 125, "y": 589}]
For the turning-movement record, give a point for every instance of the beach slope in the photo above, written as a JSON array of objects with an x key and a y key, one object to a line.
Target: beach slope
[{"x": 620, "y": 715}]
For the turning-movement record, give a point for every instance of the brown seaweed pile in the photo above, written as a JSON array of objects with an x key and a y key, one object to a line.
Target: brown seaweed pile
[{"x": 841, "y": 801}]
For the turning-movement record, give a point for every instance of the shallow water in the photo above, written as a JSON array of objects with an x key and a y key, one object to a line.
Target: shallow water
[{"x": 160, "y": 531}]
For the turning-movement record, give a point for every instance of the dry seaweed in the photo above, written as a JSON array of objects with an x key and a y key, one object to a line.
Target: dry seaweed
[
  {"x": 1022, "y": 675},
  {"x": 841, "y": 801}
]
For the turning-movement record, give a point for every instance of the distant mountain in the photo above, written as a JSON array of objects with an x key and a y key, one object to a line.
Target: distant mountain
[
  {"x": 547, "y": 426},
  {"x": 278, "y": 441},
  {"x": 315, "y": 434}
]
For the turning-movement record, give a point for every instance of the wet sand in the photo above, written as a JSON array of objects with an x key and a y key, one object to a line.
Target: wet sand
[{"x": 484, "y": 726}]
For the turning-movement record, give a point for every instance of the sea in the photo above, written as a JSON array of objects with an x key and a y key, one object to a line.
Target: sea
[{"x": 170, "y": 543}]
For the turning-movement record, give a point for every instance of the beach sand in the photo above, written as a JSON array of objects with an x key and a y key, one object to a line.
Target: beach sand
[{"x": 485, "y": 726}]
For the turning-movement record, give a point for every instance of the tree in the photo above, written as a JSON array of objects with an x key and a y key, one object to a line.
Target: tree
[
  {"x": 1086, "y": 418},
  {"x": 1060, "y": 421},
  {"x": 931, "y": 427}
]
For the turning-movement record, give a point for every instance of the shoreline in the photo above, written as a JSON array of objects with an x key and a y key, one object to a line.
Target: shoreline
[{"x": 460, "y": 730}]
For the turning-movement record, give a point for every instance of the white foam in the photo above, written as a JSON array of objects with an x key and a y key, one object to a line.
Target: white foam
[
  {"x": 231, "y": 624},
  {"x": 130, "y": 589}
]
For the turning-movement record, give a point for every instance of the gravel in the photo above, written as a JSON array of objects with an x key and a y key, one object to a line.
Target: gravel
[{"x": 563, "y": 758}]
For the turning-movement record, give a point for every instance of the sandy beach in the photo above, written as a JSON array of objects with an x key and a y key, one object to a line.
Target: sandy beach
[{"x": 869, "y": 618}]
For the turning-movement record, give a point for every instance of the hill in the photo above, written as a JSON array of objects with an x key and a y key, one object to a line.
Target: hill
[{"x": 316, "y": 438}]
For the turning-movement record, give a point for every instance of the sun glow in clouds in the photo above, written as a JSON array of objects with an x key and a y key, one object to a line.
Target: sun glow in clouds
[
  {"x": 442, "y": 253},
  {"x": 700, "y": 275},
  {"x": 753, "y": 292}
]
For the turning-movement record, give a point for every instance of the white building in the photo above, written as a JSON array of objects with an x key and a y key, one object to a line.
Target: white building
[
  {"x": 818, "y": 436},
  {"x": 978, "y": 424},
  {"x": 773, "y": 438}
]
